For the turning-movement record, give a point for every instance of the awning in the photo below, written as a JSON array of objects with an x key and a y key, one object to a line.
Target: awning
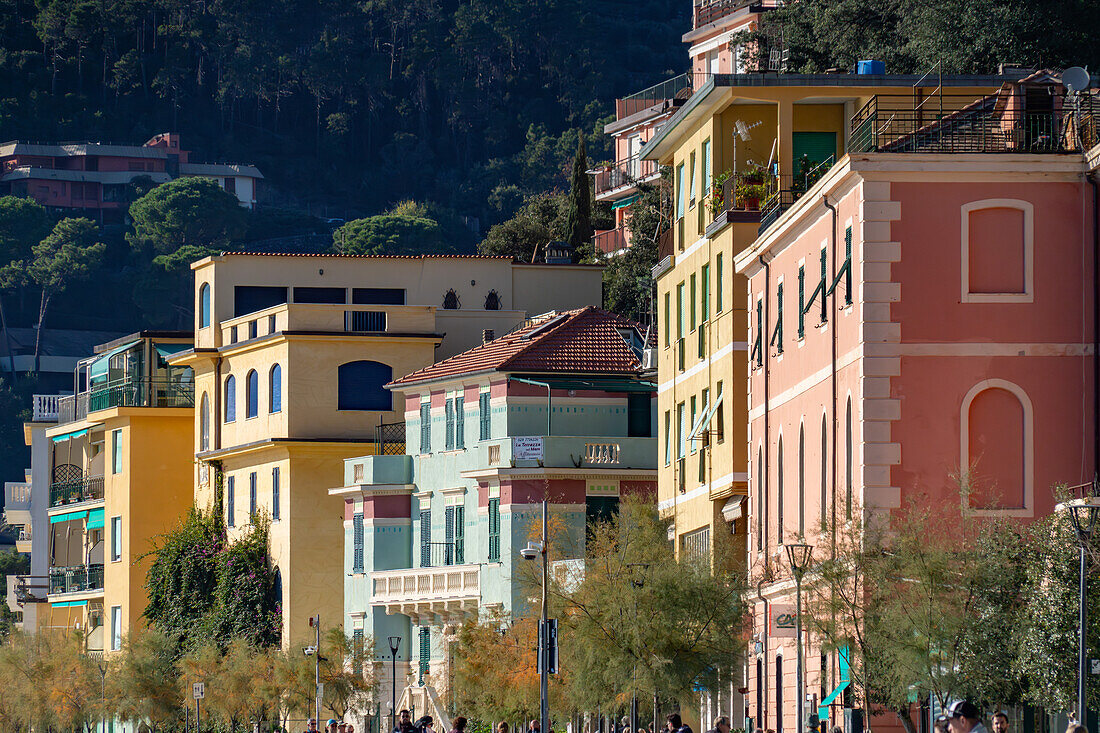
[
  {"x": 605, "y": 385},
  {"x": 99, "y": 367},
  {"x": 167, "y": 350},
  {"x": 69, "y": 436},
  {"x": 733, "y": 510},
  {"x": 68, "y": 604},
  {"x": 95, "y": 519},
  {"x": 623, "y": 203},
  {"x": 706, "y": 417},
  {"x": 68, "y": 517},
  {"x": 845, "y": 680}
]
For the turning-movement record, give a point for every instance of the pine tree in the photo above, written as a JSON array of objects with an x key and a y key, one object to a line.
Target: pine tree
[{"x": 579, "y": 220}]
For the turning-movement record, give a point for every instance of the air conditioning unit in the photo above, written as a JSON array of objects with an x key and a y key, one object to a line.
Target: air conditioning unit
[{"x": 649, "y": 358}]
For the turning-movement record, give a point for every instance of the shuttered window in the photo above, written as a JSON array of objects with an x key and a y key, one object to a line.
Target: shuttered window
[
  {"x": 252, "y": 496},
  {"x": 449, "y": 409},
  {"x": 425, "y": 427},
  {"x": 230, "y": 502},
  {"x": 425, "y": 649},
  {"x": 449, "y": 535},
  {"x": 460, "y": 535},
  {"x": 483, "y": 407},
  {"x": 275, "y": 493},
  {"x": 494, "y": 529},
  {"x": 460, "y": 422},
  {"x": 425, "y": 538},
  {"x": 357, "y": 543}
]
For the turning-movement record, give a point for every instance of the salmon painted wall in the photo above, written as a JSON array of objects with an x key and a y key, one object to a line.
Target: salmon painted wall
[{"x": 1030, "y": 341}]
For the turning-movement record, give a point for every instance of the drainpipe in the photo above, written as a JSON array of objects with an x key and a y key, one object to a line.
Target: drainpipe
[
  {"x": 762, "y": 714},
  {"x": 832, "y": 339},
  {"x": 1095, "y": 331},
  {"x": 766, "y": 262},
  {"x": 549, "y": 403}
]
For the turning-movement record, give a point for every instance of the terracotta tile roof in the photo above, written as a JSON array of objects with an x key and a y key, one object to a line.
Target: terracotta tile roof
[
  {"x": 246, "y": 253},
  {"x": 582, "y": 341}
]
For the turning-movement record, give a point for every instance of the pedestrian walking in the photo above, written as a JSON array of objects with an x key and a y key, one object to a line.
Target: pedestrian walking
[
  {"x": 502, "y": 727},
  {"x": 311, "y": 726},
  {"x": 1075, "y": 728},
  {"x": 459, "y": 724},
  {"x": 721, "y": 725},
  {"x": 963, "y": 716},
  {"x": 674, "y": 724},
  {"x": 404, "y": 723},
  {"x": 424, "y": 725},
  {"x": 1000, "y": 722},
  {"x": 533, "y": 727},
  {"x": 331, "y": 725}
]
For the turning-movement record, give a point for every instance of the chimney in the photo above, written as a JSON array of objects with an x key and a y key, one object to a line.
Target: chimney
[{"x": 487, "y": 335}]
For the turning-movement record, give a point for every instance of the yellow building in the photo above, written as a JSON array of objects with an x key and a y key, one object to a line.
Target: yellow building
[
  {"x": 291, "y": 356},
  {"x": 119, "y": 471},
  {"x": 741, "y": 149}
]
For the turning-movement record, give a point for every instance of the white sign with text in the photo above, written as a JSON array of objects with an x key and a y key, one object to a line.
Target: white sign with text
[{"x": 527, "y": 448}]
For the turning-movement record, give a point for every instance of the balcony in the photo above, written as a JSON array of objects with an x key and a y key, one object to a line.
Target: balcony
[
  {"x": 76, "y": 579},
  {"x": 17, "y": 502},
  {"x": 71, "y": 408},
  {"x": 1010, "y": 121},
  {"x": 143, "y": 393},
  {"x": 437, "y": 595},
  {"x": 788, "y": 189},
  {"x": 610, "y": 241},
  {"x": 391, "y": 439},
  {"x": 561, "y": 451},
  {"x": 329, "y": 318},
  {"x": 76, "y": 491},
  {"x": 674, "y": 90},
  {"x": 27, "y": 589},
  {"x": 623, "y": 177},
  {"x": 442, "y": 554},
  {"x": 708, "y": 11},
  {"x": 45, "y": 407}
]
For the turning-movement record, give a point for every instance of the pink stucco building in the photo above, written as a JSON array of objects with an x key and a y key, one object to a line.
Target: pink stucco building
[{"x": 922, "y": 316}]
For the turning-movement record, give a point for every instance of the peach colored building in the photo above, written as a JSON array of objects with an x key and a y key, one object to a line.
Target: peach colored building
[{"x": 922, "y": 312}]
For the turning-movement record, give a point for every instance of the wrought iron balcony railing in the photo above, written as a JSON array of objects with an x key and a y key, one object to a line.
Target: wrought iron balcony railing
[
  {"x": 88, "y": 488},
  {"x": 441, "y": 554},
  {"x": 391, "y": 439},
  {"x": 143, "y": 393},
  {"x": 76, "y": 579}
]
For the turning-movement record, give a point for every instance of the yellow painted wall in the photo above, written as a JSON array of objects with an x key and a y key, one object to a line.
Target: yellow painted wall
[{"x": 151, "y": 494}]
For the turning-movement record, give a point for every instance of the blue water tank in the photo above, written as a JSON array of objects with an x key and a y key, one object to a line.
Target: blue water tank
[{"x": 871, "y": 67}]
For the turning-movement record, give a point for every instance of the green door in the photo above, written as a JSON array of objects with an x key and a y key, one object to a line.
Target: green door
[{"x": 816, "y": 147}]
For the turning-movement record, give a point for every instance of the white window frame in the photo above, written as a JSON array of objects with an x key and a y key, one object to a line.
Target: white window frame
[{"x": 1028, "y": 209}]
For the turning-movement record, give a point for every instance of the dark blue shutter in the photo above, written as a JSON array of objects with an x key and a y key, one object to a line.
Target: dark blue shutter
[
  {"x": 449, "y": 535},
  {"x": 275, "y": 390},
  {"x": 252, "y": 394},
  {"x": 362, "y": 386},
  {"x": 425, "y": 538},
  {"x": 275, "y": 493},
  {"x": 460, "y": 535},
  {"x": 251, "y": 495},
  {"x": 357, "y": 543},
  {"x": 230, "y": 398}
]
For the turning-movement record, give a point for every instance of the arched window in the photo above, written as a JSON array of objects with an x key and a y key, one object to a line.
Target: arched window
[
  {"x": 848, "y": 459},
  {"x": 204, "y": 422},
  {"x": 252, "y": 394},
  {"x": 362, "y": 386},
  {"x": 779, "y": 681},
  {"x": 779, "y": 493},
  {"x": 997, "y": 447},
  {"x": 997, "y": 251},
  {"x": 492, "y": 301},
  {"x": 759, "y": 499},
  {"x": 824, "y": 468},
  {"x": 275, "y": 389},
  {"x": 230, "y": 398},
  {"x": 204, "y": 305},
  {"x": 801, "y": 481},
  {"x": 450, "y": 301}
]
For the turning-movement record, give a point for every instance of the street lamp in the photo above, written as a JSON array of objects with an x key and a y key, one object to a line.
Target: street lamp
[
  {"x": 1083, "y": 513},
  {"x": 395, "y": 644},
  {"x": 800, "y": 556},
  {"x": 638, "y": 572},
  {"x": 532, "y": 551}
]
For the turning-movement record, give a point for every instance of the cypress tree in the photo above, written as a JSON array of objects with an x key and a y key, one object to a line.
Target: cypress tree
[{"x": 578, "y": 222}]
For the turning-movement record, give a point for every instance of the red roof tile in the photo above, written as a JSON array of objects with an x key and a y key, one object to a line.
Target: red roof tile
[{"x": 582, "y": 341}]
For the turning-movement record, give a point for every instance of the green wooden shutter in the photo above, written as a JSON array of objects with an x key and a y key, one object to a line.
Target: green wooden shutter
[
  {"x": 357, "y": 543},
  {"x": 483, "y": 407},
  {"x": 777, "y": 334},
  {"x": 460, "y": 535},
  {"x": 801, "y": 301},
  {"x": 816, "y": 147},
  {"x": 425, "y": 538},
  {"x": 425, "y": 427},
  {"x": 494, "y": 530},
  {"x": 460, "y": 422},
  {"x": 449, "y": 535}
]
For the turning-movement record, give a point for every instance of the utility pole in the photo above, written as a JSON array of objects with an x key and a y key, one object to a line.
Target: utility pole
[
  {"x": 544, "y": 637},
  {"x": 315, "y": 622}
]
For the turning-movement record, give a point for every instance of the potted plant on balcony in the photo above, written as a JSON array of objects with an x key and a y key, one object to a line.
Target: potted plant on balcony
[
  {"x": 750, "y": 194},
  {"x": 717, "y": 201}
]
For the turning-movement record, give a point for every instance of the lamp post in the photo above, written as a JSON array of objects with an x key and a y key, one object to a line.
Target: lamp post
[
  {"x": 1083, "y": 513},
  {"x": 800, "y": 556},
  {"x": 395, "y": 644},
  {"x": 638, "y": 572},
  {"x": 533, "y": 550}
]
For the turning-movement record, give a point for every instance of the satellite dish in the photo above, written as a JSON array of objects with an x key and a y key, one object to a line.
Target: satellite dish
[{"x": 1076, "y": 79}]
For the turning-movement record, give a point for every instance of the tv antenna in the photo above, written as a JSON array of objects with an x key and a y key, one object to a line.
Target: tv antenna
[
  {"x": 1077, "y": 80},
  {"x": 741, "y": 132}
]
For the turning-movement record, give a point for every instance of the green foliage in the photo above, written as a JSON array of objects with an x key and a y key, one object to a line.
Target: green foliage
[
  {"x": 390, "y": 234},
  {"x": 204, "y": 589},
  {"x": 911, "y": 36},
  {"x": 143, "y": 680},
  {"x": 185, "y": 219},
  {"x": 69, "y": 252},
  {"x": 541, "y": 220},
  {"x": 578, "y": 221},
  {"x": 23, "y": 224},
  {"x": 48, "y": 682},
  {"x": 11, "y": 563},
  {"x": 628, "y": 280}
]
